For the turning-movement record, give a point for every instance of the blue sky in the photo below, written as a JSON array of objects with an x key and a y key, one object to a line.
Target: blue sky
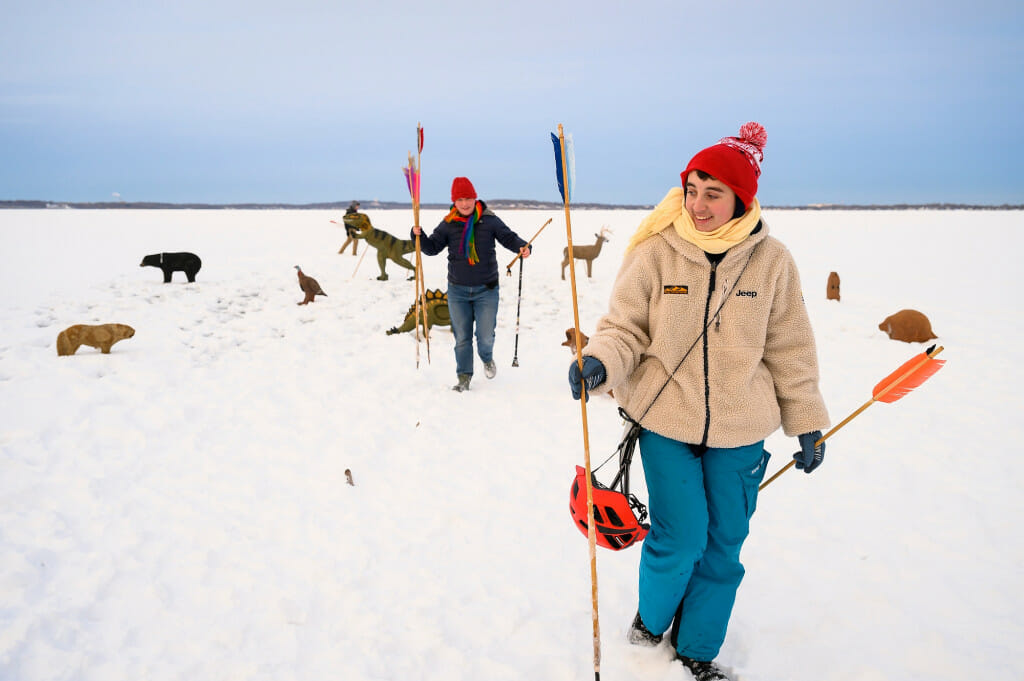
[{"x": 298, "y": 102}]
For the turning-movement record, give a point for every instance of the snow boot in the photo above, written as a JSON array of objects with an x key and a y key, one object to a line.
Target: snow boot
[
  {"x": 701, "y": 670},
  {"x": 463, "y": 383},
  {"x": 639, "y": 635},
  {"x": 490, "y": 369}
]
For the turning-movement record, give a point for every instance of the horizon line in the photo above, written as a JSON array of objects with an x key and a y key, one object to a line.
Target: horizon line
[{"x": 528, "y": 204}]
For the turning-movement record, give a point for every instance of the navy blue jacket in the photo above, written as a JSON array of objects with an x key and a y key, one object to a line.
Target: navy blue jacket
[{"x": 489, "y": 229}]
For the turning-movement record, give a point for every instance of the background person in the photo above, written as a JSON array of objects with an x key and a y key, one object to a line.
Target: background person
[
  {"x": 469, "y": 232},
  {"x": 350, "y": 231}
]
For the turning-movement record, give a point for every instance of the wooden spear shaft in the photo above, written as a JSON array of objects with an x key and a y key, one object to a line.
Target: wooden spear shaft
[
  {"x": 419, "y": 267},
  {"x": 591, "y": 530},
  {"x": 419, "y": 255},
  {"x": 366, "y": 247},
  {"x": 421, "y": 304},
  {"x": 508, "y": 268},
  {"x": 420, "y": 315}
]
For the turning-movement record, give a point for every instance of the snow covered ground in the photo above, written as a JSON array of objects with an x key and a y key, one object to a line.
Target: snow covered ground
[{"x": 178, "y": 509}]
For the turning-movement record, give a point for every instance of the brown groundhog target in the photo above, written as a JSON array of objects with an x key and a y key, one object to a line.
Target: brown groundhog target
[
  {"x": 832, "y": 293},
  {"x": 909, "y": 326}
]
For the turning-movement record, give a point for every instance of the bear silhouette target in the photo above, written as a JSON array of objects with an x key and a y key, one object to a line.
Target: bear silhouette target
[
  {"x": 189, "y": 263},
  {"x": 100, "y": 336}
]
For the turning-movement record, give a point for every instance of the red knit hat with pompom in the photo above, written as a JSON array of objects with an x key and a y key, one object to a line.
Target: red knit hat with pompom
[
  {"x": 734, "y": 160},
  {"x": 462, "y": 188}
]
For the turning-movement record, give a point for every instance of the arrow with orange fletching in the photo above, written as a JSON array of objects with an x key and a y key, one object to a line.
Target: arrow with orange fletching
[
  {"x": 899, "y": 383},
  {"x": 508, "y": 267}
]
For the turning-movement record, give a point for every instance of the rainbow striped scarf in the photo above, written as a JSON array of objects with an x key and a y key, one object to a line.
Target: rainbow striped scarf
[{"x": 468, "y": 240}]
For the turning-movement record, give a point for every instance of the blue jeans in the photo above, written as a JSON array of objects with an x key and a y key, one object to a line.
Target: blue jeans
[
  {"x": 466, "y": 305},
  {"x": 700, "y": 514}
]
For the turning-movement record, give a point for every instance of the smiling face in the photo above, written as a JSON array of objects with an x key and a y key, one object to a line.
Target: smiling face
[
  {"x": 709, "y": 202},
  {"x": 465, "y": 206}
]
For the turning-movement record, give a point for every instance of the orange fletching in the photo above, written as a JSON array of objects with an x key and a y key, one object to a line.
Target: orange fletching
[
  {"x": 891, "y": 388},
  {"x": 913, "y": 373}
]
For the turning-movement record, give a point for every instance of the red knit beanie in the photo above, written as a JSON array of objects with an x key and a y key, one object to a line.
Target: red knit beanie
[
  {"x": 462, "y": 188},
  {"x": 734, "y": 160}
]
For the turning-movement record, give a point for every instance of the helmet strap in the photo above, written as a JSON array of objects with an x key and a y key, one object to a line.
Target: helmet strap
[{"x": 626, "y": 449}]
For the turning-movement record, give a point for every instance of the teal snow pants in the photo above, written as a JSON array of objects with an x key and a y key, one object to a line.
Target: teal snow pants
[{"x": 700, "y": 510}]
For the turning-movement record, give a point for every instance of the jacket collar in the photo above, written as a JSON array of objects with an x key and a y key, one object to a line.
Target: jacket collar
[{"x": 693, "y": 252}]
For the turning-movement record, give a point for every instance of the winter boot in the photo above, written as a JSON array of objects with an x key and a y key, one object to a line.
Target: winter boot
[
  {"x": 639, "y": 635},
  {"x": 490, "y": 369},
  {"x": 463, "y": 383},
  {"x": 701, "y": 670}
]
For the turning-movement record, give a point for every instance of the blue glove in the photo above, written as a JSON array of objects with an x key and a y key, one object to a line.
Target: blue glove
[
  {"x": 809, "y": 457},
  {"x": 593, "y": 375}
]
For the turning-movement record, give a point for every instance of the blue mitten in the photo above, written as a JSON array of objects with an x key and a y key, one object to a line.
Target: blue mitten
[
  {"x": 593, "y": 375},
  {"x": 809, "y": 457}
]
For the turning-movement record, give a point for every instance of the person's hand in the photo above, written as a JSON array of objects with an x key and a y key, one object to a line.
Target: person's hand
[
  {"x": 593, "y": 375},
  {"x": 809, "y": 457},
  {"x": 524, "y": 252},
  {"x": 417, "y": 230}
]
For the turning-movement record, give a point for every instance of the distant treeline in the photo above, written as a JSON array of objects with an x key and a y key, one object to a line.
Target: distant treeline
[
  {"x": 334, "y": 205},
  {"x": 514, "y": 204},
  {"x": 901, "y": 206}
]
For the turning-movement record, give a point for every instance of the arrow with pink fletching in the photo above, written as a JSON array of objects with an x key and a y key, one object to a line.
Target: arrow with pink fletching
[{"x": 412, "y": 181}]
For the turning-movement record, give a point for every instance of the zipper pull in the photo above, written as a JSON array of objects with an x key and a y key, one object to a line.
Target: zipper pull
[{"x": 721, "y": 304}]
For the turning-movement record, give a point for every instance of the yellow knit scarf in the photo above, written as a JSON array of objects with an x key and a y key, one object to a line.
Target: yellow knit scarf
[{"x": 672, "y": 211}]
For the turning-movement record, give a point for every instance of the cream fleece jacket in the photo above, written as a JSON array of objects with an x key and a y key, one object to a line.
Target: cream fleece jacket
[{"x": 762, "y": 365}]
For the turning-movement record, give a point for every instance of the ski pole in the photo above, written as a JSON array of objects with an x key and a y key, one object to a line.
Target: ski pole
[{"x": 519, "y": 300}]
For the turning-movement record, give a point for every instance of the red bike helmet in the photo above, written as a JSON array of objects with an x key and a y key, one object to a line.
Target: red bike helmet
[{"x": 618, "y": 515}]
